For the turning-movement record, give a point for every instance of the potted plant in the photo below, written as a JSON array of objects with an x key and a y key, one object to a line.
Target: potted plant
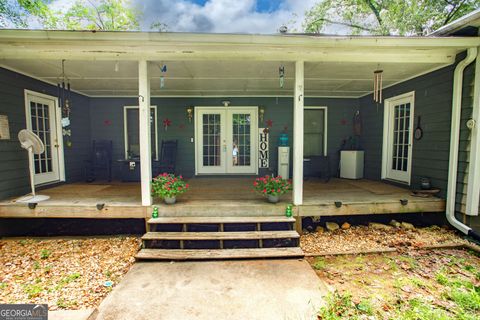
[
  {"x": 272, "y": 187},
  {"x": 167, "y": 186}
]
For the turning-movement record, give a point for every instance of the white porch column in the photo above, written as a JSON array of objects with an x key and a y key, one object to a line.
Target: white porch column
[
  {"x": 145, "y": 136},
  {"x": 298, "y": 104}
]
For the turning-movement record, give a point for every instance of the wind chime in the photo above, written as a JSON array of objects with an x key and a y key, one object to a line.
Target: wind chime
[
  {"x": 64, "y": 101},
  {"x": 163, "y": 70},
  {"x": 377, "y": 85},
  {"x": 281, "y": 74}
]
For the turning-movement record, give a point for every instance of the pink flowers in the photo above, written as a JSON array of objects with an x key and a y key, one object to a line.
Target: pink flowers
[
  {"x": 167, "y": 185},
  {"x": 269, "y": 185}
]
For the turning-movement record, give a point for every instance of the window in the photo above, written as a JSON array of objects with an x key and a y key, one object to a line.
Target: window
[
  {"x": 315, "y": 131},
  {"x": 132, "y": 132}
]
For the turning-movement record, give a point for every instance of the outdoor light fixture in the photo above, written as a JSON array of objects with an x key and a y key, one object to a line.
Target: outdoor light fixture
[
  {"x": 226, "y": 103},
  {"x": 377, "y": 85},
  {"x": 117, "y": 66},
  {"x": 261, "y": 113},
  {"x": 190, "y": 114}
]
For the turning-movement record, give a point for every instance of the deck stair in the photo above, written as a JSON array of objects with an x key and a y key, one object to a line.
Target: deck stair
[{"x": 208, "y": 238}]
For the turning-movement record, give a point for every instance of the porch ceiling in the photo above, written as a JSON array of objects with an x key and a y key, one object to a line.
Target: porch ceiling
[
  {"x": 223, "y": 64},
  {"x": 220, "y": 78}
]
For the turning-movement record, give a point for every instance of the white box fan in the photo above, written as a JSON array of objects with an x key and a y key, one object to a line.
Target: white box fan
[{"x": 34, "y": 145}]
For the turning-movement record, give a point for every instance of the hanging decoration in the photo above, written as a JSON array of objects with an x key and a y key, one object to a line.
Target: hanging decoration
[
  {"x": 64, "y": 101},
  {"x": 163, "y": 69},
  {"x": 377, "y": 85},
  {"x": 281, "y": 74},
  {"x": 167, "y": 123}
]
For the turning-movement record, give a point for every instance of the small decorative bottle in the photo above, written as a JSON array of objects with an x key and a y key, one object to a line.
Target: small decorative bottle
[
  {"x": 289, "y": 212},
  {"x": 155, "y": 212}
]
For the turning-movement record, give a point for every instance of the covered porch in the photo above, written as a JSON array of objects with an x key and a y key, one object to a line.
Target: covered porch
[{"x": 223, "y": 196}]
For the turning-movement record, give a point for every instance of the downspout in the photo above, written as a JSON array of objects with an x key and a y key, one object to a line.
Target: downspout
[{"x": 454, "y": 142}]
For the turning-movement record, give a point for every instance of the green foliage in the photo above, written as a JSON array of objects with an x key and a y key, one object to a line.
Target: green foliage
[
  {"x": 386, "y": 17},
  {"x": 116, "y": 15},
  {"x": 168, "y": 185},
  {"x": 340, "y": 306},
  {"x": 44, "y": 254},
  {"x": 274, "y": 186},
  {"x": 66, "y": 280},
  {"x": 319, "y": 263},
  {"x": 416, "y": 309},
  {"x": 33, "y": 290}
]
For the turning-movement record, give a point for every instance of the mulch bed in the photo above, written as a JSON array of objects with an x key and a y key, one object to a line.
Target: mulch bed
[
  {"x": 65, "y": 273},
  {"x": 364, "y": 239}
]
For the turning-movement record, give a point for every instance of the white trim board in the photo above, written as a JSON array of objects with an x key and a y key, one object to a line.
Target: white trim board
[
  {"x": 59, "y": 133},
  {"x": 388, "y": 137},
  {"x": 325, "y": 124},
  {"x": 125, "y": 128}
]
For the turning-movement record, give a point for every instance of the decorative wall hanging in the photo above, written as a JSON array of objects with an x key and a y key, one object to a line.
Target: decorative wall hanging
[
  {"x": 269, "y": 123},
  {"x": 418, "y": 134},
  {"x": 163, "y": 69},
  {"x": 190, "y": 114},
  {"x": 377, "y": 85},
  {"x": 64, "y": 103},
  {"x": 263, "y": 153},
  {"x": 281, "y": 74},
  {"x": 167, "y": 123}
]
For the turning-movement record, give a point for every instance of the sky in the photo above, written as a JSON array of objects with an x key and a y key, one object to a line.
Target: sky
[{"x": 220, "y": 16}]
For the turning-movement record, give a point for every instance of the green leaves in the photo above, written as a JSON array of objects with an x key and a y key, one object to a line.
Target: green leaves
[{"x": 385, "y": 17}]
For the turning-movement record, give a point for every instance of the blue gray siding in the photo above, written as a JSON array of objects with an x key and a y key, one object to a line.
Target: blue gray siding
[
  {"x": 107, "y": 123},
  {"x": 14, "y": 160},
  {"x": 433, "y": 102}
]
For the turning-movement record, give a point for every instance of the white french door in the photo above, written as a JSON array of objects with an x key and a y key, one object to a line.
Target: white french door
[
  {"x": 226, "y": 140},
  {"x": 42, "y": 117},
  {"x": 398, "y": 138}
]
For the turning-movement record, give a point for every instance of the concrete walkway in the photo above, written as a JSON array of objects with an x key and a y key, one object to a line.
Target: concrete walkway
[{"x": 253, "y": 289}]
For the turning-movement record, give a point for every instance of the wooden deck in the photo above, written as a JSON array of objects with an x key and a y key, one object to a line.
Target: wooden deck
[{"x": 222, "y": 197}]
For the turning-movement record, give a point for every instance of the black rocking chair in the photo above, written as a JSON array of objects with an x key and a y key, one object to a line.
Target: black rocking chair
[
  {"x": 100, "y": 163},
  {"x": 168, "y": 157}
]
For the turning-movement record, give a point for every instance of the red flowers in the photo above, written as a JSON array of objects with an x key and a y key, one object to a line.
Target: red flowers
[
  {"x": 268, "y": 185},
  {"x": 168, "y": 185}
]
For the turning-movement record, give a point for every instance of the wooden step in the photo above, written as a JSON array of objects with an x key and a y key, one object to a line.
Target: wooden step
[
  {"x": 236, "y": 235},
  {"x": 217, "y": 220},
  {"x": 215, "y": 254}
]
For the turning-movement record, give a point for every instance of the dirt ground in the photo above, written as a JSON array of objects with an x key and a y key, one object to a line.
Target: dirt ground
[
  {"x": 415, "y": 284},
  {"x": 65, "y": 273}
]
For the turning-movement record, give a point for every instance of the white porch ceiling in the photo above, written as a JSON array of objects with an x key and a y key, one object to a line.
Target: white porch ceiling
[{"x": 220, "y": 78}]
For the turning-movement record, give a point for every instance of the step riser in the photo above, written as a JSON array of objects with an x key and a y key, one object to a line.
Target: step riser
[{"x": 220, "y": 244}]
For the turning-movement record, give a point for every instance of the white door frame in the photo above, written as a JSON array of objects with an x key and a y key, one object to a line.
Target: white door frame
[
  {"x": 408, "y": 97},
  {"x": 225, "y": 134},
  {"x": 325, "y": 125},
  {"x": 58, "y": 127}
]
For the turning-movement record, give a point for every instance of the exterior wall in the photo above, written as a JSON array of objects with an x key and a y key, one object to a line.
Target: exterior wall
[
  {"x": 14, "y": 179},
  {"x": 107, "y": 123},
  {"x": 433, "y": 102}
]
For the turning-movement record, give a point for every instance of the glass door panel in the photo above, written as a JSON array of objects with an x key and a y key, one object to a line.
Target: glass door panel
[
  {"x": 210, "y": 145},
  {"x": 242, "y": 140}
]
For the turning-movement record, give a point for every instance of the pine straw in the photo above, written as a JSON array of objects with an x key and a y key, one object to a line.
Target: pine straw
[
  {"x": 363, "y": 239},
  {"x": 65, "y": 273}
]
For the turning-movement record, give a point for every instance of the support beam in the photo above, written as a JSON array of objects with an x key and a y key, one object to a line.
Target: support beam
[
  {"x": 145, "y": 135},
  {"x": 298, "y": 103},
  {"x": 473, "y": 188}
]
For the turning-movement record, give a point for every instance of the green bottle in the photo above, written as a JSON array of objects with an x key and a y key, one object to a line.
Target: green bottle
[
  {"x": 155, "y": 212},
  {"x": 289, "y": 212}
]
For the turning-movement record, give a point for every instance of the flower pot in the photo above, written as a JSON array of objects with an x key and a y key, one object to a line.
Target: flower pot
[
  {"x": 272, "y": 198},
  {"x": 170, "y": 200}
]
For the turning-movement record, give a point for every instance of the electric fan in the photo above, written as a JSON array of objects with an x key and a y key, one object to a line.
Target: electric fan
[{"x": 34, "y": 145}]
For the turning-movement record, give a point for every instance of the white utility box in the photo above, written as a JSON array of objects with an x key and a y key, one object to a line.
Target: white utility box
[
  {"x": 284, "y": 162},
  {"x": 351, "y": 164}
]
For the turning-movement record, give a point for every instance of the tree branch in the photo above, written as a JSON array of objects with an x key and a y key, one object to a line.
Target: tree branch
[
  {"x": 454, "y": 10},
  {"x": 356, "y": 26},
  {"x": 375, "y": 11},
  {"x": 101, "y": 24}
]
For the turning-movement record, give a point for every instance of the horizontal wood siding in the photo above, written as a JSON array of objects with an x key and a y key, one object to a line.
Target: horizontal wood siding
[
  {"x": 433, "y": 102},
  {"x": 14, "y": 177},
  {"x": 107, "y": 123}
]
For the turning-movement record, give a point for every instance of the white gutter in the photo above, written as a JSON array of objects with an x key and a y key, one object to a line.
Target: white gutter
[
  {"x": 473, "y": 188},
  {"x": 454, "y": 141}
]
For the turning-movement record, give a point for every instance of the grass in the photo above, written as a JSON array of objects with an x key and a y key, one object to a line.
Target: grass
[
  {"x": 340, "y": 306},
  {"x": 44, "y": 254},
  {"x": 319, "y": 263}
]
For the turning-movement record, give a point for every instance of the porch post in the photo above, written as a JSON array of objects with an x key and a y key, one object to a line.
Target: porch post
[
  {"x": 145, "y": 136},
  {"x": 298, "y": 104}
]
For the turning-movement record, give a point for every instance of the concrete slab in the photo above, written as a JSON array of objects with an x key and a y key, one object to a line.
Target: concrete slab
[
  {"x": 253, "y": 289},
  {"x": 83, "y": 314}
]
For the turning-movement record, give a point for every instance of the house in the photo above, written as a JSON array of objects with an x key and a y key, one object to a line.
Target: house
[{"x": 215, "y": 92}]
